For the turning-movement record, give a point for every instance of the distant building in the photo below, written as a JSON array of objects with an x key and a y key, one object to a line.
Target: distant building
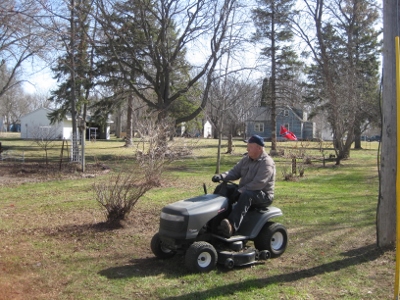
[
  {"x": 295, "y": 120},
  {"x": 207, "y": 129},
  {"x": 36, "y": 124}
]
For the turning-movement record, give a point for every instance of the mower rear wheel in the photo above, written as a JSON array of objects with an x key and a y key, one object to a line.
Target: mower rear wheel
[
  {"x": 272, "y": 237},
  {"x": 201, "y": 257},
  {"x": 159, "y": 250}
]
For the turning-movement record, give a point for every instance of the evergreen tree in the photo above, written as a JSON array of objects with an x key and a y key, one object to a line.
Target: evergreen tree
[
  {"x": 273, "y": 27},
  {"x": 73, "y": 73},
  {"x": 119, "y": 59}
]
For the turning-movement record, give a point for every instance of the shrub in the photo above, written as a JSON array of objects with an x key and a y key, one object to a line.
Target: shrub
[{"x": 119, "y": 194}]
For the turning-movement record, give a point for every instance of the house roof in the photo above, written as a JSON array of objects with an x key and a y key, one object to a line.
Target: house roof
[
  {"x": 35, "y": 111},
  {"x": 264, "y": 113},
  {"x": 294, "y": 111},
  {"x": 68, "y": 117},
  {"x": 260, "y": 114}
]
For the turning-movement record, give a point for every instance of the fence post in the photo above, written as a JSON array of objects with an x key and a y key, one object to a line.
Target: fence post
[{"x": 294, "y": 168}]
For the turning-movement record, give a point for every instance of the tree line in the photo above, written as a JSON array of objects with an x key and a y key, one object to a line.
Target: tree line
[{"x": 110, "y": 56}]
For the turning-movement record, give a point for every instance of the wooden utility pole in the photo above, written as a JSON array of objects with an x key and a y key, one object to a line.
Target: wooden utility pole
[{"x": 386, "y": 211}]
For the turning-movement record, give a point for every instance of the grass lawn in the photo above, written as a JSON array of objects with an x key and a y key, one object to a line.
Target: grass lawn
[{"x": 52, "y": 247}]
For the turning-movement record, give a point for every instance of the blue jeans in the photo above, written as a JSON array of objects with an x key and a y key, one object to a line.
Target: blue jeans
[{"x": 247, "y": 199}]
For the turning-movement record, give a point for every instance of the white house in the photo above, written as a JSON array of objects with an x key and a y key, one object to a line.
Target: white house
[
  {"x": 207, "y": 129},
  {"x": 36, "y": 125}
]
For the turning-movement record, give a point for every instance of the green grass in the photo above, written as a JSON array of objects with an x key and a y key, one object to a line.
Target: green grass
[{"x": 51, "y": 247}]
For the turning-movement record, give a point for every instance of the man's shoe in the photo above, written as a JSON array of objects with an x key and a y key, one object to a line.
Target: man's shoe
[{"x": 226, "y": 228}]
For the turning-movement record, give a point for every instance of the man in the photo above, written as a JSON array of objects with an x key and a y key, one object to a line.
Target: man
[{"x": 256, "y": 172}]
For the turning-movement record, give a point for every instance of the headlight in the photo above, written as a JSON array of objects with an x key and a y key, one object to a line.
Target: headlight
[{"x": 170, "y": 217}]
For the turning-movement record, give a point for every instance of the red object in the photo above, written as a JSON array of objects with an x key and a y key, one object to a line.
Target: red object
[{"x": 287, "y": 134}]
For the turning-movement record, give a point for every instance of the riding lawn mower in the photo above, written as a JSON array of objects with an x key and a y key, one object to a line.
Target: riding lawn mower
[{"x": 190, "y": 227}]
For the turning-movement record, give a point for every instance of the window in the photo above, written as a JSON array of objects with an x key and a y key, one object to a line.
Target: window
[
  {"x": 286, "y": 113},
  {"x": 259, "y": 127}
]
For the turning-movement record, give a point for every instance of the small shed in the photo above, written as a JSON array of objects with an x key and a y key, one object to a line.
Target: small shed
[{"x": 36, "y": 124}]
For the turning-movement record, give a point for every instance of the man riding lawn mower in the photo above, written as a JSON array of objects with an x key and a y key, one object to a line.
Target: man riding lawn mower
[{"x": 217, "y": 227}]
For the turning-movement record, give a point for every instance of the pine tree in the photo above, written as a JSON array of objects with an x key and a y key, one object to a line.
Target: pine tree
[
  {"x": 273, "y": 26},
  {"x": 72, "y": 73}
]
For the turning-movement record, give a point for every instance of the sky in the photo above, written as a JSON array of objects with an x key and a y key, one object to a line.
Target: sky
[
  {"x": 38, "y": 77},
  {"x": 39, "y": 82}
]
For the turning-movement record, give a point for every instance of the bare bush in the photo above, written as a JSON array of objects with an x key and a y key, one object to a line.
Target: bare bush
[
  {"x": 299, "y": 157},
  {"x": 123, "y": 190},
  {"x": 287, "y": 174},
  {"x": 152, "y": 149},
  {"x": 45, "y": 137},
  {"x": 119, "y": 194},
  {"x": 155, "y": 150}
]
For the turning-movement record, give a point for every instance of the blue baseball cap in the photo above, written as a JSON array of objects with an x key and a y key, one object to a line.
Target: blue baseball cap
[{"x": 256, "y": 139}]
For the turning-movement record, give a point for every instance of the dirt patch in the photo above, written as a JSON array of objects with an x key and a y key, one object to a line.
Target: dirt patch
[{"x": 16, "y": 173}]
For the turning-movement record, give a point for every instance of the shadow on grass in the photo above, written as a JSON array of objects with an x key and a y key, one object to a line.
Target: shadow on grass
[
  {"x": 147, "y": 267},
  {"x": 154, "y": 266},
  {"x": 82, "y": 230},
  {"x": 353, "y": 257}
]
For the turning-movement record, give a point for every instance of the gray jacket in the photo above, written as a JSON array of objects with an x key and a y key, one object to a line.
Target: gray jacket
[{"x": 254, "y": 174}]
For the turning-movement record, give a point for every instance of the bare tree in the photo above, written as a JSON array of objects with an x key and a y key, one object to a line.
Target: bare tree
[
  {"x": 228, "y": 108},
  {"x": 21, "y": 40},
  {"x": 13, "y": 104},
  {"x": 344, "y": 62},
  {"x": 38, "y": 99},
  {"x": 151, "y": 39}
]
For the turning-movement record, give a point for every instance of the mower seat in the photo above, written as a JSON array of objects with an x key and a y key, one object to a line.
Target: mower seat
[{"x": 260, "y": 209}]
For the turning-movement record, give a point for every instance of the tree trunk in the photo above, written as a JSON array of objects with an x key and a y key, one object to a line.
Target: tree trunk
[
  {"x": 273, "y": 88},
  {"x": 129, "y": 123},
  {"x": 118, "y": 124},
  {"x": 218, "y": 168},
  {"x": 72, "y": 53},
  {"x": 386, "y": 211},
  {"x": 230, "y": 142},
  {"x": 357, "y": 135}
]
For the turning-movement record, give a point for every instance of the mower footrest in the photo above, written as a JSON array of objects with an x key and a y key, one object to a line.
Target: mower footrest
[{"x": 233, "y": 238}]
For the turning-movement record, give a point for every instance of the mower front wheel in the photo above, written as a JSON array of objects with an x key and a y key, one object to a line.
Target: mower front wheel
[
  {"x": 201, "y": 257},
  {"x": 159, "y": 250}
]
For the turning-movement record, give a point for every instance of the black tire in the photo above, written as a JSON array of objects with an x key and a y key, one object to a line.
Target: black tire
[
  {"x": 229, "y": 263},
  {"x": 201, "y": 257},
  {"x": 158, "y": 249},
  {"x": 272, "y": 237}
]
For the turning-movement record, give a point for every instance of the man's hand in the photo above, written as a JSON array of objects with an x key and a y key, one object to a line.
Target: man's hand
[{"x": 216, "y": 178}]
